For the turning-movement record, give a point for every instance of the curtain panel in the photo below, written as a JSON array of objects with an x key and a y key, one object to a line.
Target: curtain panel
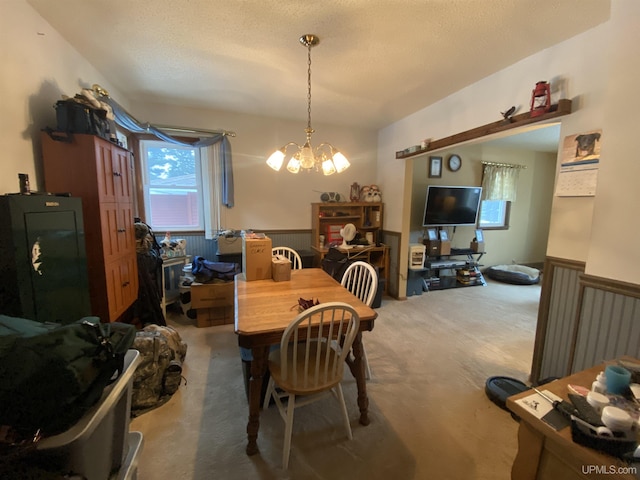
[{"x": 499, "y": 182}]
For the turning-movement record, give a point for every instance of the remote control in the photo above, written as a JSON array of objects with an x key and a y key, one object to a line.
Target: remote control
[{"x": 585, "y": 411}]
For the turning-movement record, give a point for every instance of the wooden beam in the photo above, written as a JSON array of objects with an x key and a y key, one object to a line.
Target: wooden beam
[{"x": 563, "y": 107}]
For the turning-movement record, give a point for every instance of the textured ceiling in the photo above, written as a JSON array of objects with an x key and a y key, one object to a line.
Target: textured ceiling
[{"x": 377, "y": 61}]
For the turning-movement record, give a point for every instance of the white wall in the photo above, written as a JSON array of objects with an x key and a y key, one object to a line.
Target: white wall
[
  {"x": 613, "y": 250},
  {"x": 38, "y": 67},
  {"x": 580, "y": 66}
]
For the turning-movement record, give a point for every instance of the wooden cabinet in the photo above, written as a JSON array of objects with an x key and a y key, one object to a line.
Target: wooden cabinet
[
  {"x": 548, "y": 454},
  {"x": 101, "y": 173},
  {"x": 328, "y": 218}
]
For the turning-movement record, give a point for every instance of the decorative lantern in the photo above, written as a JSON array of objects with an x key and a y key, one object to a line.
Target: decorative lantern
[{"x": 540, "y": 99}]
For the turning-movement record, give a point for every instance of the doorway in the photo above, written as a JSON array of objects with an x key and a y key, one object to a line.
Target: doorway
[{"x": 525, "y": 240}]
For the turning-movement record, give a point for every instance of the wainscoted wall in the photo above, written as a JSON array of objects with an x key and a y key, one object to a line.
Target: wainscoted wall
[
  {"x": 299, "y": 240},
  {"x": 200, "y": 246},
  {"x": 583, "y": 320},
  {"x": 393, "y": 240}
]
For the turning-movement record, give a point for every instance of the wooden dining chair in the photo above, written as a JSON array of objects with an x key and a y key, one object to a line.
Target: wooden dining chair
[
  {"x": 289, "y": 253},
  {"x": 310, "y": 362},
  {"x": 361, "y": 279}
]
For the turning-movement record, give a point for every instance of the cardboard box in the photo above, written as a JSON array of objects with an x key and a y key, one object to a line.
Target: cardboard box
[
  {"x": 280, "y": 268},
  {"x": 445, "y": 247},
  {"x": 211, "y": 317},
  {"x": 229, "y": 245},
  {"x": 256, "y": 258},
  {"x": 477, "y": 246},
  {"x": 212, "y": 295},
  {"x": 432, "y": 248}
]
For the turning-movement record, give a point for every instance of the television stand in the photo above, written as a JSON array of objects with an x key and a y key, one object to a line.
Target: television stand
[{"x": 456, "y": 270}]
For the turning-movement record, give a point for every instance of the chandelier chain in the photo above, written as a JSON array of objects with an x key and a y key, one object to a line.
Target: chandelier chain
[{"x": 309, "y": 89}]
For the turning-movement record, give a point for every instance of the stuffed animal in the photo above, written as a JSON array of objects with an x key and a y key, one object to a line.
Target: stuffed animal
[{"x": 371, "y": 194}]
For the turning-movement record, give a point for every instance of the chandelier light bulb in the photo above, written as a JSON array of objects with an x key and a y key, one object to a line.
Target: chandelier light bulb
[
  {"x": 328, "y": 168},
  {"x": 341, "y": 162},
  {"x": 294, "y": 165},
  {"x": 276, "y": 159}
]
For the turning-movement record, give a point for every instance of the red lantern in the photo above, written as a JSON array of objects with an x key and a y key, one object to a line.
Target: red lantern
[{"x": 540, "y": 99}]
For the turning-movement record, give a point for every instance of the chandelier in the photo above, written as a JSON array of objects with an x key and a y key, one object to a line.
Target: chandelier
[{"x": 325, "y": 157}]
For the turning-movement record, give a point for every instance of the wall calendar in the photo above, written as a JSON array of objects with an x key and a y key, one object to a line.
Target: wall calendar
[{"x": 578, "y": 175}]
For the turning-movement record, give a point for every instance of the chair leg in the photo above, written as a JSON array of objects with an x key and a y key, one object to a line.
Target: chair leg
[
  {"x": 344, "y": 411},
  {"x": 267, "y": 395},
  {"x": 291, "y": 405},
  {"x": 365, "y": 361}
]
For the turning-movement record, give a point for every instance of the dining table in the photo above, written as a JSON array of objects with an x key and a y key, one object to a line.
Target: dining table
[{"x": 264, "y": 309}]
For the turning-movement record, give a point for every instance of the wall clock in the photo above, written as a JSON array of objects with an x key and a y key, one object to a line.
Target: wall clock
[{"x": 454, "y": 162}]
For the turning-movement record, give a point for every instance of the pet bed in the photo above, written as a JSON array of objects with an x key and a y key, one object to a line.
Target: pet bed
[{"x": 515, "y": 274}]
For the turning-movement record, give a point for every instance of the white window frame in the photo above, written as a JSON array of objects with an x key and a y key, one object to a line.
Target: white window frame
[
  {"x": 144, "y": 145},
  {"x": 500, "y": 221}
]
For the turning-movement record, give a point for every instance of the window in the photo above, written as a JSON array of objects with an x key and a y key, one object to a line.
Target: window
[
  {"x": 173, "y": 191},
  {"x": 494, "y": 214}
]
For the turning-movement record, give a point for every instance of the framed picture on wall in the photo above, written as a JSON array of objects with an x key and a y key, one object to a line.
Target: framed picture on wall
[{"x": 435, "y": 167}]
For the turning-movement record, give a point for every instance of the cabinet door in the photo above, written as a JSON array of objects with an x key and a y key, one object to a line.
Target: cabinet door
[
  {"x": 109, "y": 220},
  {"x": 122, "y": 285},
  {"x": 123, "y": 175},
  {"x": 105, "y": 172},
  {"x": 129, "y": 277},
  {"x": 126, "y": 229},
  {"x": 118, "y": 230}
]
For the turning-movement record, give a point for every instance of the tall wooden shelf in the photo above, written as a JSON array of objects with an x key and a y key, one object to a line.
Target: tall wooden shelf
[{"x": 367, "y": 217}]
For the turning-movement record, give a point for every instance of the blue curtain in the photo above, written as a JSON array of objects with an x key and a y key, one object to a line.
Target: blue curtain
[{"x": 227, "y": 174}]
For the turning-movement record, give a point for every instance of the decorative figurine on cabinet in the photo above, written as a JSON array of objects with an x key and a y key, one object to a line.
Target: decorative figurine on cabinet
[{"x": 370, "y": 194}]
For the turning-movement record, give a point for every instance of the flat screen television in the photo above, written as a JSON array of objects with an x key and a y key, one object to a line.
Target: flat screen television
[{"x": 451, "y": 206}]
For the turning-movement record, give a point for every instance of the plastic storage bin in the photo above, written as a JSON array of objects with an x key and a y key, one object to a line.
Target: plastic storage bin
[{"x": 99, "y": 446}]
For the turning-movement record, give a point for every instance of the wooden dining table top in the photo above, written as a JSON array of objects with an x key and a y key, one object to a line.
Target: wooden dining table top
[{"x": 266, "y": 306}]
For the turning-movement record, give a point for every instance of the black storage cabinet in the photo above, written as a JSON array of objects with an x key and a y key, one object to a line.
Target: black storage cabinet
[{"x": 43, "y": 268}]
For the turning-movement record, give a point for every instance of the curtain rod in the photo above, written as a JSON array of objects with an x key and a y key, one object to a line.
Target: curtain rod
[
  {"x": 191, "y": 130},
  {"x": 508, "y": 165}
]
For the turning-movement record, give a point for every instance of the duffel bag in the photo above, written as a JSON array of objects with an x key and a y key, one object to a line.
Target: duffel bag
[
  {"x": 73, "y": 116},
  {"x": 206, "y": 271},
  {"x": 52, "y": 374}
]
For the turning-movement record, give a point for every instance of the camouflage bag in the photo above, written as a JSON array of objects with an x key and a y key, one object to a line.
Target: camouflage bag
[{"x": 159, "y": 373}]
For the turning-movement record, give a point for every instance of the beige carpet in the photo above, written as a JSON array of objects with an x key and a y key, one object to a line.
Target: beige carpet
[{"x": 430, "y": 418}]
